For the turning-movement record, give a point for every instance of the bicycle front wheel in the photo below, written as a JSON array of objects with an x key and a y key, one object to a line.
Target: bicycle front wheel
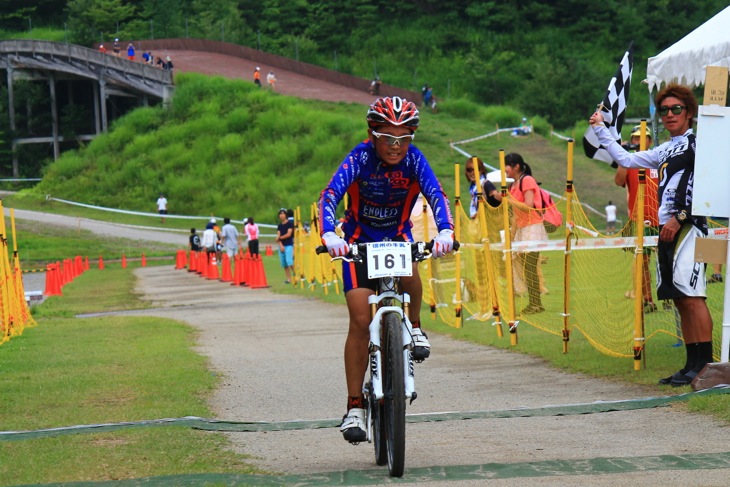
[{"x": 394, "y": 394}]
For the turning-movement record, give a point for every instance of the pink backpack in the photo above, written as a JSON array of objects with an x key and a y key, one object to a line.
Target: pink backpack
[{"x": 552, "y": 219}]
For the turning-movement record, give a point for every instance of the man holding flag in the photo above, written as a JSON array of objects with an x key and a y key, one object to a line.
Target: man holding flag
[{"x": 679, "y": 277}]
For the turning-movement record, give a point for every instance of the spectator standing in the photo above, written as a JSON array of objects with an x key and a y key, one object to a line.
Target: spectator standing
[
  {"x": 195, "y": 244},
  {"x": 375, "y": 86},
  {"x": 162, "y": 207},
  {"x": 209, "y": 240},
  {"x": 229, "y": 237},
  {"x": 285, "y": 238},
  {"x": 116, "y": 49},
  {"x": 610, "y": 217},
  {"x": 168, "y": 63},
  {"x": 490, "y": 192},
  {"x": 271, "y": 80},
  {"x": 252, "y": 234},
  {"x": 130, "y": 52},
  {"x": 679, "y": 277},
  {"x": 629, "y": 179},
  {"x": 257, "y": 76},
  {"x": 527, "y": 225},
  {"x": 102, "y": 49}
]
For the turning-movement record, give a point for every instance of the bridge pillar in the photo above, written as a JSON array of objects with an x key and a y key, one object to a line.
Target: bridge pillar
[
  {"x": 102, "y": 99},
  {"x": 54, "y": 116},
  {"x": 11, "y": 114}
]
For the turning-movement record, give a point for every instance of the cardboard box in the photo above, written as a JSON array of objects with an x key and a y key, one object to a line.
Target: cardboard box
[{"x": 711, "y": 250}]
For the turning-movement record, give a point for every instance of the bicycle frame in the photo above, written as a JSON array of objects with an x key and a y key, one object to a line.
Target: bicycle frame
[{"x": 375, "y": 349}]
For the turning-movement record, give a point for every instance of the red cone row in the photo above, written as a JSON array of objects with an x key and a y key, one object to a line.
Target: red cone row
[{"x": 247, "y": 270}]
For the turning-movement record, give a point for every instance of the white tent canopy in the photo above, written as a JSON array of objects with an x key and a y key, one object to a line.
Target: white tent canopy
[{"x": 685, "y": 61}]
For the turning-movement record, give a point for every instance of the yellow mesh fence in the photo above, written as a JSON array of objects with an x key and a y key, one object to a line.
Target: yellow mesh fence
[
  {"x": 587, "y": 280},
  {"x": 14, "y": 312}
]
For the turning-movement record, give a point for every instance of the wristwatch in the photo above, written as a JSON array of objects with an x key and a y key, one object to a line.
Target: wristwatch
[{"x": 681, "y": 216}]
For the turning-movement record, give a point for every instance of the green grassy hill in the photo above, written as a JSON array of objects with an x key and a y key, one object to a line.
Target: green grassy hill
[{"x": 227, "y": 148}]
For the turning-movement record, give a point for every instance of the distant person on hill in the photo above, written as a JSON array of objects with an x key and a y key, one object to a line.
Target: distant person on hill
[
  {"x": 375, "y": 86},
  {"x": 102, "y": 49},
  {"x": 130, "y": 52},
  {"x": 271, "y": 80},
  {"x": 252, "y": 234},
  {"x": 168, "y": 63},
  {"x": 162, "y": 207},
  {"x": 116, "y": 48},
  {"x": 194, "y": 241},
  {"x": 257, "y": 76}
]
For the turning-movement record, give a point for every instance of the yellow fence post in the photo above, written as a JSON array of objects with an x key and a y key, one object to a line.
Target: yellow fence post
[
  {"x": 568, "y": 248},
  {"x": 508, "y": 255},
  {"x": 457, "y": 257}
]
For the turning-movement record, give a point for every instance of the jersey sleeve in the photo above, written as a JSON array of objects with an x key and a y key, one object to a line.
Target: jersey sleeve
[
  {"x": 642, "y": 159},
  {"x": 336, "y": 189}
]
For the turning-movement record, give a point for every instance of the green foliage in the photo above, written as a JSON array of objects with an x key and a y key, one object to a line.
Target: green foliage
[
  {"x": 96, "y": 370},
  {"x": 222, "y": 148}
]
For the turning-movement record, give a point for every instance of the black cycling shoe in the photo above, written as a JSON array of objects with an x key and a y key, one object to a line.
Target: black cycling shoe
[
  {"x": 679, "y": 380},
  {"x": 668, "y": 380},
  {"x": 421, "y": 353}
]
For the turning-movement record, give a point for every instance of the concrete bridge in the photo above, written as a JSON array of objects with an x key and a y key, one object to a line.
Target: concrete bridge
[{"x": 108, "y": 76}]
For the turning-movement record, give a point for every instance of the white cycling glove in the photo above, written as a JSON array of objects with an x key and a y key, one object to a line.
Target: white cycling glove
[
  {"x": 443, "y": 243},
  {"x": 336, "y": 245}
]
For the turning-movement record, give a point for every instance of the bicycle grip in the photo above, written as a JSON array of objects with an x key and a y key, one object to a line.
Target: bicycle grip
[{"x": 321, "y": 249}]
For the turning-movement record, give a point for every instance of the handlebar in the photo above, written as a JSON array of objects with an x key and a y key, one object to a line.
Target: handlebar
[{"x": 322, "y": 249}]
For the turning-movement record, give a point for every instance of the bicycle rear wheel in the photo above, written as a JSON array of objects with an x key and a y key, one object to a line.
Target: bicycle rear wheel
[{"x": 394, "y": 394}]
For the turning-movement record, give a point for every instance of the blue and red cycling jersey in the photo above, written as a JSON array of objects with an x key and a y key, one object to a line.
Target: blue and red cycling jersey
[{"x": 381, "y": 196}]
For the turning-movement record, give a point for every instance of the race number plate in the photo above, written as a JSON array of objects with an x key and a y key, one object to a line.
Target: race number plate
[{"x": 389, "y": 259}]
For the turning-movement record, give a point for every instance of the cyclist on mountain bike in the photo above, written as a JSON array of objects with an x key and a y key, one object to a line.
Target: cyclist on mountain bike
[{"x": 383, "y": 177}]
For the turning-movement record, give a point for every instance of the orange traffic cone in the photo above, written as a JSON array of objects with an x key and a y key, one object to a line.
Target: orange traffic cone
[
  {"x": 226, "y": 269},
  {"x": 101, "y": 262},
  {"x": 144, "y": 261},
  {"x": 79, "y": 263},
  {"x": 202, "y": 268},
  {"x": 53, "y": 285},
  {"x": 124, "y": 261},
  {"x": 247, "y": 266},
  {"x": 86, "y": 263},
  {"x": 237, "y": 270},
  {"x": 212, "y": 267},
  {"x": 269, "y": 251},
  {"x": 259, "y": 275},
  {"x": 193, "y": 261},
  {"x": 180, "y": 261}
]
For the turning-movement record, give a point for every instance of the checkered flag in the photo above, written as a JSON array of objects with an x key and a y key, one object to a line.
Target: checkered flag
[{"x": 613, "y": 108}]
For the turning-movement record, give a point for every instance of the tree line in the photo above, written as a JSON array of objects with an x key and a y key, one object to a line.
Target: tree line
[{"x": 552, "y": 59}]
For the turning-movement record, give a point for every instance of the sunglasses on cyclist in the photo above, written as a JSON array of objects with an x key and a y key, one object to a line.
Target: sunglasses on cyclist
[
  {"x": 675, "y": 109},
  {"x": 391, "y": 140}
]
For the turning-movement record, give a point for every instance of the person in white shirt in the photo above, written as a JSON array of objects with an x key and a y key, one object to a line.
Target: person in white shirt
[
  {"x": 162, "y": 207},
  {"x": 610, "y": 217}
]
